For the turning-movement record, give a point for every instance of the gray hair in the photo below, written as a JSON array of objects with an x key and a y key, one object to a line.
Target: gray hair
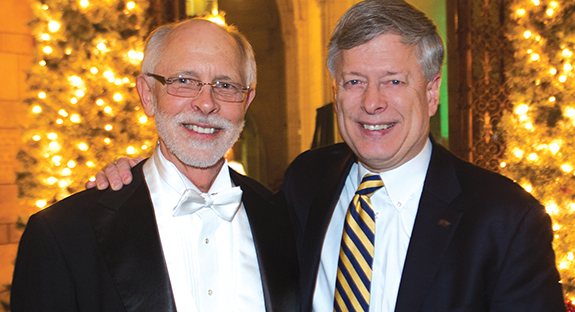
[
  {"x": 155, "y": 45},
  {"x": 371, "y": 18}
]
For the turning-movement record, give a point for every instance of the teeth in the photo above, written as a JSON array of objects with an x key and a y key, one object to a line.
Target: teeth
[
  {"x": 200, "y": 129},
  {"x": 377, "y": 127}
]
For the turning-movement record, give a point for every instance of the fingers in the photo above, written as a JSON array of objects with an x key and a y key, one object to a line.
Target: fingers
[
  {"x": 116, "y": 174},
  {"x": 101, "y": 181}
]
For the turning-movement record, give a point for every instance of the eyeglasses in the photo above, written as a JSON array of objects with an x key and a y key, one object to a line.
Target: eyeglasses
[{"x": 190, "y": 88}]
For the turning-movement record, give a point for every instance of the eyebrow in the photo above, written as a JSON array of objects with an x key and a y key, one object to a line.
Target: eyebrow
[{"x": 192, "y": 73}]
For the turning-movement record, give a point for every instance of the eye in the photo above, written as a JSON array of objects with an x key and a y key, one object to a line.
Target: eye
[
  {"x": 181, "y": 81},
  {"x": 226, "y": 86},
  {"x": 393, "y": 82},
  {"x": 354, "y": 84}
]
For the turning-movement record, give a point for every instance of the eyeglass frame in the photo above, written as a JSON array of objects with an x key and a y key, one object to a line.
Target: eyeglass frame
[{"x": 166, "y": 81}]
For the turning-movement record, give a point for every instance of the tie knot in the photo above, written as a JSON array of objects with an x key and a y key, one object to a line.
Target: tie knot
[{"x": 369, "y": 184}]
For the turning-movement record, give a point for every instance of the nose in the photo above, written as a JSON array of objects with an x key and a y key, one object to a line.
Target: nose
[
  {"x": 204, "y": 102},
  {"x": 374, "y": 100}
]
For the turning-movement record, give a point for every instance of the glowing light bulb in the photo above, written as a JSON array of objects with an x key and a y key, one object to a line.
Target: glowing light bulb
[
  {"x": 523, "y": 118},
  {"x": 90, "y": 164},
  {"x": 42, "y": 95},
  {"x": 528, "y": 126},
  {"x": 94, "y": 70},
  {"x": 562, "y": 78},
  {"x": 84, "y": 3},
  {"x": 75, "y": 80},
  {"x": 83, "y": 146},
  {"x": 47, "y": 50},
  {"x": 133, "y": 54},
  {"x": 570, "y": 112},
  {"x": 101, "y": 46},
  {"x": 520, "y": 12},
  {"x": 535, "y": 57},
  {"x": 567, "y": 67},
  {"x": 108, "y": 127},
  {"x": 527, "y": 187},
  {"x": 99, "y": 102},
  {"x": 108, "y": 74},
  {"x": 553, "y": 71},
  {"x": 66, "y": 172},
  {"x": 59, "y": 121},
  {"x": 118, "y": 81},
  {"x": 57, "y": 159},
  {"x": 553, "y": 4},
  {"x": 71, "y": 164},
  {"x": 130, "y": 5},
  {"x": 140, "y": 56},
  {"x": 75, "y": 118},
  {"x": 52, "y": 136},
  {"x": 117, "y": 97},
  {"x": 554, "y": 148},
  {"x": 36, "y": 138},
  {"x": 36, "y": 109},
  {"x": 73, "y": 100},
  {"x": 125, "y": 80},
  {"x": 551, "y": 208},
  {"x": 54, "y": 145},
  {"x": 51, "y": 180},
  {"x": 518, "y": 153},
  {"x": 53, "y": 26},
  {"x": 521, "y": 109},
  {"x": 144, "y": 147},
  {"x": 556, "y": 227},
  {"x": 566, "y": 52},
  {"x": 80, "y": 93},
  {"x": 532, "y": 157},
  {"x": 536, "y": 2},
  {"x": 527, "y": 34},
  {"x": 45, "y": 7},
  {"x": 45, "y": 37},
  {"x": 143, "y": 119},
  {"x": 63, "y": 184},
  {"x": 502, "y": 164},
  {"x": 130, "y": 150},
  {"x": 42, "y": 63},
  {"x": 41, "y": 203},
  {"x": 63, "y": 113},
  {"x": 549, "y": 12},
  {"x": 566, "y": 168},
  {"x": 107, "y": 140},
  {"x": 552, "y": 99}
]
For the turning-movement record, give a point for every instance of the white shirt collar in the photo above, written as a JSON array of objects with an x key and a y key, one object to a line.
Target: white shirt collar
[
  {"x": 175, "y": 180},
  {"x": 401, "y": 182}
]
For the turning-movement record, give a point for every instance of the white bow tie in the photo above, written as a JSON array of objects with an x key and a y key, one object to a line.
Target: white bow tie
[{"x": 225, "y": 204}]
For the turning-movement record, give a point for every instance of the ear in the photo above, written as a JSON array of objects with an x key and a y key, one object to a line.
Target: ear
[
  {"x": 433, "y": 94},
  {"x": 249, "y": 99},
  {"x": 334, "y": 89},
  {"x": 146, "y": 95}
]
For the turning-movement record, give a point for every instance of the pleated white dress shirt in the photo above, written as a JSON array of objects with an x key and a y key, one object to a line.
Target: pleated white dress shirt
[
  {"x": 212, "y": 263},
  {"x": 395, "y": 208}
]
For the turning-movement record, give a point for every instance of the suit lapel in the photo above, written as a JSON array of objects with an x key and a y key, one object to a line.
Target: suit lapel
[
  {"x": 320, "y": 214},
  {"x": 126, "y": 232},
  {"x": 435, "y": 224},
  {"x": 275, "y": 245}
]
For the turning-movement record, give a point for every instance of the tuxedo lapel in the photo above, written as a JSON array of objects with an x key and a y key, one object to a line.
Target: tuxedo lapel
[
  {"x": 275, "y": 245},
  {"x": 436, "y": 221},
  {"x": 318, "y": 219},
  {"x": 127, "y": 235}
]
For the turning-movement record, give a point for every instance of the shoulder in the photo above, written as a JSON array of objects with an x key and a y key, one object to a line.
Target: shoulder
[
  {"x": 316, "y": 162},
  {"x": 250, "y": 184}
]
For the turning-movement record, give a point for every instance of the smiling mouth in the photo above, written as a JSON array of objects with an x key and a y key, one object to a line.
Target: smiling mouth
[
  {"x": 199, "y": 129},
  {"x": 378, "y": 127}
]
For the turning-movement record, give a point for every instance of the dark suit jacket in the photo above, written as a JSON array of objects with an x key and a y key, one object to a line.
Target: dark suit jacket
[
  {"x": 479, "y": 243},
  {"x": 100, "y": 251}
]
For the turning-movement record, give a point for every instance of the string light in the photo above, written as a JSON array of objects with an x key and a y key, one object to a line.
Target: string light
[{"x": 53, "y": 26}]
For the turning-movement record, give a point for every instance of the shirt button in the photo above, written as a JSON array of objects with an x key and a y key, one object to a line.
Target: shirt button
[
  {"x": 207, "y": 240},
  {"x": 210, "y": 292},
  {"x": 398, "y": 204},
  {"x": 377, "y": 215}
]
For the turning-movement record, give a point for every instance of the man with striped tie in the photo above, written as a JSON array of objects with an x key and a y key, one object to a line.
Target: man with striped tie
[{"x": 391, "y": 220}]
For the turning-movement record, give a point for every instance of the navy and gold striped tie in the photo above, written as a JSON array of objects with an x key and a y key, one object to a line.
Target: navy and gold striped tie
[{"x": 356, "y": 253}]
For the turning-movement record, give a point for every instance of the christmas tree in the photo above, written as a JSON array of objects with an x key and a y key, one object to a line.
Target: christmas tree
[
  {"x": 85, "y": 111},
  {"x": 540, "y": 131}
]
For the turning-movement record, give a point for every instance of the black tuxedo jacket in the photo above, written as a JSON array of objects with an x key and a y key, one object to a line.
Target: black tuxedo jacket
[
  {"x": 100, "y": 251},
  {"x": 479, "y": 243}
]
